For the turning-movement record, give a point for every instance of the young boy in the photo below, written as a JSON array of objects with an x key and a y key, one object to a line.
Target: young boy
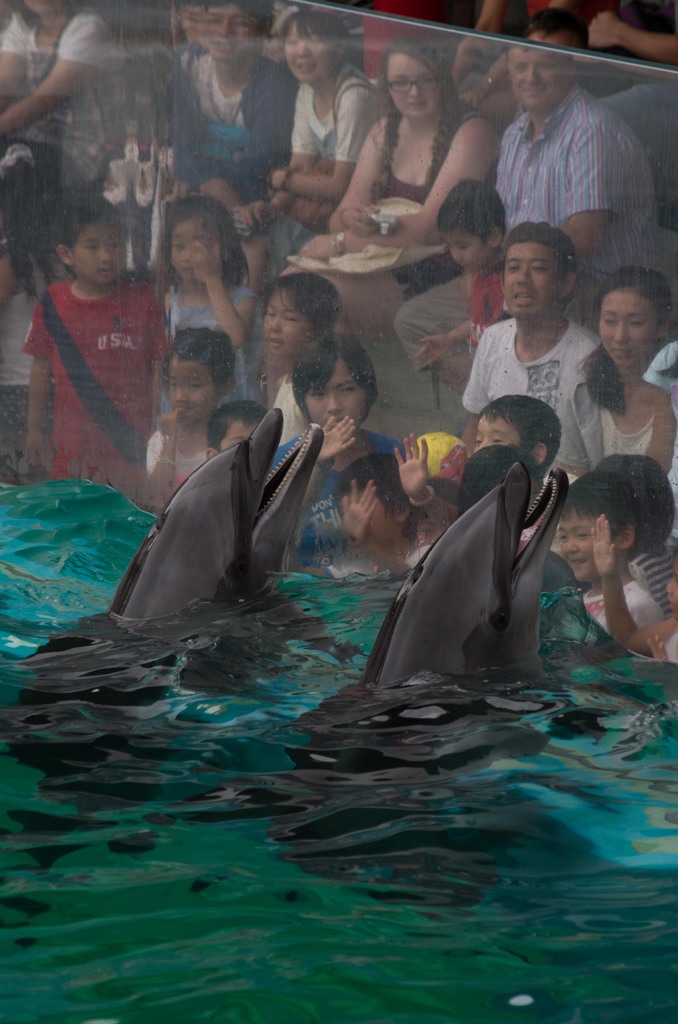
[
  {"x": 524, "y": 422},
  {"x": 471, "y": 220},
  {"x": 100, "y": 343},
  {"x": 659, "y": 639},
  {"x": 610, "y": 495},
  {"x": 232, "y": 422}
]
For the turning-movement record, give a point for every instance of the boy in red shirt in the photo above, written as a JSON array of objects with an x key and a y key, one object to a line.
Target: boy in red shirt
[{"x": 100, "y": 342}]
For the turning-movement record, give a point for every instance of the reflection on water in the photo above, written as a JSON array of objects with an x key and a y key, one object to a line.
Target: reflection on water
[{"x": 214, "y": 823}]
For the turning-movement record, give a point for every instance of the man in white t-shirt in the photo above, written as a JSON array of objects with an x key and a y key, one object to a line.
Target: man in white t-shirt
[{"x": 539, "y": 351}]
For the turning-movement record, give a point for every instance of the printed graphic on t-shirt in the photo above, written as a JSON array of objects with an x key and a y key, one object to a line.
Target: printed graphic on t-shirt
[
  {"x": 543, "y": 382},
  {"x": 326, "y": 524}
]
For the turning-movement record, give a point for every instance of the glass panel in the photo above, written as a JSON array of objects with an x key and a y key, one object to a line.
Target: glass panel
[{"x": 160, "y": 169}]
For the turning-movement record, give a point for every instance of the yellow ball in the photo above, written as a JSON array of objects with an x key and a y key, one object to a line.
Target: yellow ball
[{"x": 439, "y": 445}]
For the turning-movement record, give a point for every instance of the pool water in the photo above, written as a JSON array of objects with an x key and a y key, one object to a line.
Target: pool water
[{"x": 212, "y": 823}]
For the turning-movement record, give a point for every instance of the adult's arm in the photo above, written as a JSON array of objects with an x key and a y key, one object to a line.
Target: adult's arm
[
  {"x": 607, "y": 30},
  {"x": 587, "y": 230},
  {"x": 491, "y": 17},
  {"x": 268, "y": 110},
  {"x": 83, "y": 50},
  {"x": 66, "y": 79}
]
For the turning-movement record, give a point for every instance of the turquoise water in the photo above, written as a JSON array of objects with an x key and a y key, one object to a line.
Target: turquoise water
[{"x": 210, "y": 825}]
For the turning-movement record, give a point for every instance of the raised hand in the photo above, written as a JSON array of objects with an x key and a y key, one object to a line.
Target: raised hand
[
  {"x": 604, "y": 550},
  {"x": 357, "y": 510},
  {"x": 206, "y": 260},
  {"x": 433, "y": 348},
  {"x": 413, "y": 468},
  {"x": 340, "y": 435}
]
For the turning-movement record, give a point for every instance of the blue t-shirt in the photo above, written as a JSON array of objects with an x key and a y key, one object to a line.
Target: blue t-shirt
[{"x": 322, "y": 542}]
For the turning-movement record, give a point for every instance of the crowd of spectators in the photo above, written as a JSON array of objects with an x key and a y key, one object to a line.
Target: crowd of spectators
[{"x": 165, "y": 277}]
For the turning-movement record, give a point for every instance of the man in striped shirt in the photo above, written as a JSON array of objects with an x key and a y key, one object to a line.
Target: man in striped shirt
[{"x": 569, "y": 161}]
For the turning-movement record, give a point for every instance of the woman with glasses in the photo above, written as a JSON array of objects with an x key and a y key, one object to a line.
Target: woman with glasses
[{"x": 421, "y": 149}]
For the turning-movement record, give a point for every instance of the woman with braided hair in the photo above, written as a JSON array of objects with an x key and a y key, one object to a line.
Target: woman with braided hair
[{"x": 418, "y": 151}]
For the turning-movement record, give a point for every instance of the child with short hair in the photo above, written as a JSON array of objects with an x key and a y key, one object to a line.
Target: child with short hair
[
  {"x": 200, "y": 373},
  {"x": 301, "y": 312},
  {"x": 207, "y": 267},
  {"x": 590, "y": 497},
  {"x": 377, "y": 517},
  {"x": 232, "y": 422},
  {"x": 471, "y": 220},
  {"x": 653, "y": 563},
  {"x": 99, "y": 340},
  {"x": 658, "y": 639},
  {"x": 335, "y": 386},
  {"x": 524, "y": 422}
]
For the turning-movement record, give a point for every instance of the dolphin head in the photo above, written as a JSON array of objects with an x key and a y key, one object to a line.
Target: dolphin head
[
  {"x": 224, "y": 529},
  {"x": 472, "y": 602}
]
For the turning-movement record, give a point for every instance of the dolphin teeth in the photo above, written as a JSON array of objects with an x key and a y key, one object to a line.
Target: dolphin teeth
[{"x": 286, "y": 469}]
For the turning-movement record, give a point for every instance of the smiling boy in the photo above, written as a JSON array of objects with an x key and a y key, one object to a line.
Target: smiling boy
[{"x": 610, "y": 495}]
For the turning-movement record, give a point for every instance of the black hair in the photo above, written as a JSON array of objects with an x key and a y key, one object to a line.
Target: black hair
[
  {"x": 487, "y": 468},
  {"x": 315, "y": 369},
  {"x": 313, "y": 296},
  {"x": 600, "y": 373},
  {"x": 211, "y": 348},
  {"x": 542, "y": 233},
  {"x": 322, "y": 24},
  {"x": 652, "y": 285},
  {"x": 383, "y": 470},
  {"x": 215, "y": 219},
  {"x": 474, "y": 207},
  {"x": 654, "y": 496},
  {"x": 22, "y": 235},
  {"x": 221, "y": 420},
  {"x": 80, "y": 211},
  {"x": 551, "y": 20},
  {"x": 602, "y": 377},
  {"x": 600, "y": 493},
  {"x": 534, "y": 420}
]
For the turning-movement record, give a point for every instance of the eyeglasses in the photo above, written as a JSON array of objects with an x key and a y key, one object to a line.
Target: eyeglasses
[{"x": 423, "y": 84}]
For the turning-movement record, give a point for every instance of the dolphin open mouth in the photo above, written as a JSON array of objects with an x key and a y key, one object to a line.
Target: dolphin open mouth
[
  {"x": 281, "y": 477},
  {"x": 540, "y": 513}
]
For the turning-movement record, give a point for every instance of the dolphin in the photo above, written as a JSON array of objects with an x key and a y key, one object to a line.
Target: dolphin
[
  {"x": 472, "y": 602},
  {"x": 224, "y": 529}
]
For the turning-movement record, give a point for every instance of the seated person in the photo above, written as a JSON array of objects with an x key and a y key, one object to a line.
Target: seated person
[
  {"x": 418, "y": 152},
  {"x": 611, "y": 496},
  {"x": 608, "y": 209},
  {"x": 616, "y": 411},
  {"x": 471, "y": 221},
  {"x": 334, "y": 386},
  {"x": 233, "y": 112},
  {"x": 332, "y": 116},
  {"x": 522, "y": 421},
  {"x": 232, "y": 422},
  {"x": 538, "y": 352}
]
